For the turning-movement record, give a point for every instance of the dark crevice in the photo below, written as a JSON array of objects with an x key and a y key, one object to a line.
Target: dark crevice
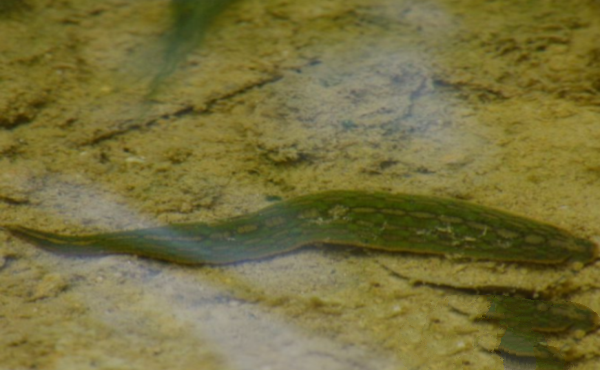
[
  {"x": 232, "y": 94},
  {"x": 481, "y": 290},
  {"x": 13, "y": 201},
  {"x": 134, "y": 125}
]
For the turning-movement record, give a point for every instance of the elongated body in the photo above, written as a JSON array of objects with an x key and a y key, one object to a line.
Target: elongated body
[
  {"x": 528, "y": 321},
  {"x": 394, "y": 223},
  {"x": 541, "y": 316}
]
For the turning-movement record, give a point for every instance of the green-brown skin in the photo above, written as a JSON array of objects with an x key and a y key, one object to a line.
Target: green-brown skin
[
  {"x": 381, "y": 221},
  {"x": 540, "y": 316},
  {"x": 527, "y": 321}
]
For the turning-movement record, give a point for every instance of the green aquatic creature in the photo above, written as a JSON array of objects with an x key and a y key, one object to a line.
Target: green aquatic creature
[
  {"x": 518, "y": 345},
  {"x": 541, "y": 316},
  {"x": 379, "y": 221},
  {"x": 528, "y": 321},
  {"x": 190, "y": 21}
]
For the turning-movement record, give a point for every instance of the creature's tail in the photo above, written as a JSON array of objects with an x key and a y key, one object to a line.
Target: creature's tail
[{"x": 63, "y": 244}]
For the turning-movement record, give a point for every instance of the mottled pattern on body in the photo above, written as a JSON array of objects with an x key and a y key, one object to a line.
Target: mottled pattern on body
[{"x": 393, "y": 223}]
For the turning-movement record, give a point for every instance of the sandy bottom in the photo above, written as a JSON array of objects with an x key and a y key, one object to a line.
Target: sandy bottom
[{"x": 492, "y": 102}]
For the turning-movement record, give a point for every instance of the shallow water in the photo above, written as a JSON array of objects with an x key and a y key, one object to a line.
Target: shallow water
[{"x": 493, "y": 102}]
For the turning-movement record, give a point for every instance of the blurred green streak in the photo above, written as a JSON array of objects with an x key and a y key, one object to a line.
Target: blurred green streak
[
  {"x": 8, "y": 7},
  {"x": 190, "y": 21}
]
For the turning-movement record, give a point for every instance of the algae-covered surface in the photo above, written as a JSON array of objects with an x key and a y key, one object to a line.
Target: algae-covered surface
[{"x": 492, "y": 102}]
